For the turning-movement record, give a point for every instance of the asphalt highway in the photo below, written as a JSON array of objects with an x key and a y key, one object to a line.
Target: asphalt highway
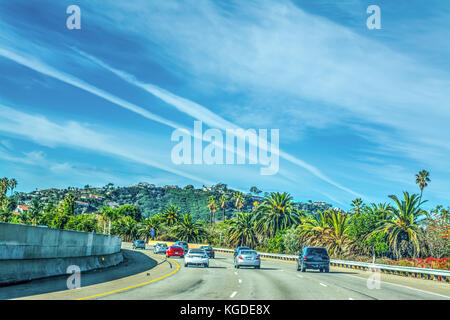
[{"x": 145, "y": 275}]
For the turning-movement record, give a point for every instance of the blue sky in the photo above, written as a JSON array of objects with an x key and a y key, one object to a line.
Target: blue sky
[{"x": 360, "y": 111}]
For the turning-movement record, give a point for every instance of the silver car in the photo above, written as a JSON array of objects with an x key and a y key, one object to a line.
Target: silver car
[
  {"x": 196, "y": 257},
  {"x": 247, "y": 258},
  {"x": 160, "y": 248}
]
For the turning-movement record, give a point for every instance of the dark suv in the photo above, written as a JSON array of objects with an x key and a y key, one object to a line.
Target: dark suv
[{"x": 314, "y": 258}]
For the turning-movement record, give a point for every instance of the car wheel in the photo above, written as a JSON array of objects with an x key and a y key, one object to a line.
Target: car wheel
[
  {"x": 257, "y": 267},
  {"x": 303, "y": 268},
  {"x": 206, "y": 265},
  {"x": 186, "y": 265},
  {"x": 327, "y": 269},
  {"x": 237, "y": 266}
]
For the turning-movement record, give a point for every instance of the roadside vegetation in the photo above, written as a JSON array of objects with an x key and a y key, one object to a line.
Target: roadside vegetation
[{"x": 397, "y": 231}]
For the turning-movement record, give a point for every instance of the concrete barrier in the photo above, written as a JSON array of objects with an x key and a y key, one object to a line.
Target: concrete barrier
[{"x": 28, "y": 252}]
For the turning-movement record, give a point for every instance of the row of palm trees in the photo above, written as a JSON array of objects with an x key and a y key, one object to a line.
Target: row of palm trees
[{"x": 221, "y": 203}]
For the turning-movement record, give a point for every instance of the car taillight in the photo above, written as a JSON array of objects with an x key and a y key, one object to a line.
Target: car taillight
[
  {"x": 257, "y": 257},
  {"x": 240, "y": 257},
  {"x": 304, "y": 258}
]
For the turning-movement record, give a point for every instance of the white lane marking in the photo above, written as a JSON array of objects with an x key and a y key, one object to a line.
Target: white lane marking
[
  {"x": 240, "y": 281},
  {"x": 235, "y": 273},
  {"x": 399, "y": 285},
  {"x": 300, "y": 276},
  {"x": 233, "y": 294},
  {"x": 350, "y": 298},
  {"x": 322, "y": 284}
]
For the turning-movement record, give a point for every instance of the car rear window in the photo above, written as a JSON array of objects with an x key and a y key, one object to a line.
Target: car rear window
[
  {"x": 248, "y": 252},
  {"x": 317, "y": 251},
  {"x": 199, "y": 251}
]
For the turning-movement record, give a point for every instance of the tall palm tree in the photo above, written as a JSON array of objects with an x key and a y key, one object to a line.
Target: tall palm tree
[
  {"x": 223, "y": 204},
  {"x": 239, "y": 200},
  {"x": 12, "y": 185},
  {"x": 422, "y": 179},
  {"x": 403, "y": 227},
  {"x": 189, "y": 230},
  {"x": 275, "y": 213},
  {"x": 242, "y": 230},
  {"x": 213, "y": 207}
]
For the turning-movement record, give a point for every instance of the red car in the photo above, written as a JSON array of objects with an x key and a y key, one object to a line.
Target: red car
[{"x": 175, "y": 251}]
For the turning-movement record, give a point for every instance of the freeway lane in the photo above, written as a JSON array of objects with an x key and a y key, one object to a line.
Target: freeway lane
[{"x": 275, "y": 280}]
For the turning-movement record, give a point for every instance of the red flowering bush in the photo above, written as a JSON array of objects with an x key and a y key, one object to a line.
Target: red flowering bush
[{"x": 430, "y": 262}]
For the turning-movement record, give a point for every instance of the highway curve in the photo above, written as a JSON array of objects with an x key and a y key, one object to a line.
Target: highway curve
[{"x": 275, "y": 280}]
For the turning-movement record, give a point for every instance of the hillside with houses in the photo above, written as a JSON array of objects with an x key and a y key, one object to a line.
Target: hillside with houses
[{"x": 152, "y": 199}]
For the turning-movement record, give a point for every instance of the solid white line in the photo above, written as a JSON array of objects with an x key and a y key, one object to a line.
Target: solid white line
[
  {"x": 350, "y": 298},
  {"x": 400, "y": 285},
  {"x": 322, "y": 284},
  {"x": 300, "y": 276},
  {"x": 240, "y": 281},
  {"x": 233, "y": 294}
]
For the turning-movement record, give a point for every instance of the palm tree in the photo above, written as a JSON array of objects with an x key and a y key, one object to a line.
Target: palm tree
[
  {"x": 223, "y": 204},
  {"x": 12, "y": 185},
  {"x": 421, "y": 179},
  {"x": 357, "y": 205},
  {"x": 275, "y": 213},
  {"x": 336, "y": 238},
  {"x": 189, "y": 230},
  {"x": 171, "y": 215},
  {"x": 403, "y": 228},
  {"x": 213, "y": 206},
  {"x": 149, "y": 224},
  {"x": 239, "y": 200},
  {"x": 381, "y": 210},
  {"x": 127, "y": 228},
  {"x": 242, "y": 230},
  {"x": 313, "y": 228}
]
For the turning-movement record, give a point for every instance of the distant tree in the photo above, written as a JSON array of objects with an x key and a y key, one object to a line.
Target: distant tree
[
  {"x": 255, "y": 190},
  {"x": 239, "y": 200},
  {"x": 223, "y": 204},
  {"x": 422, "y": 179},
  {"x": 213, "y": 206}
]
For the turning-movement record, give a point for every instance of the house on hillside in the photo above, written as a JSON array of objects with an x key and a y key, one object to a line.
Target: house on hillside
[{"x": 21, "y": 209}]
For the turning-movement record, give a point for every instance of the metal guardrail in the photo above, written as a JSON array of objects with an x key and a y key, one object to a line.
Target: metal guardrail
[{"x": 424, "y": 273}]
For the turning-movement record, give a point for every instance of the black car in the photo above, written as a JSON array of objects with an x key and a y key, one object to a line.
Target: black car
[
  {"x": 209, "y": 250},
  {"x": 314, "y": 258}
]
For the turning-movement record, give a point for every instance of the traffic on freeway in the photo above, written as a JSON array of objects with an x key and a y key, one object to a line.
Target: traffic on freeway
[{"x": 146, "y": 275}]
